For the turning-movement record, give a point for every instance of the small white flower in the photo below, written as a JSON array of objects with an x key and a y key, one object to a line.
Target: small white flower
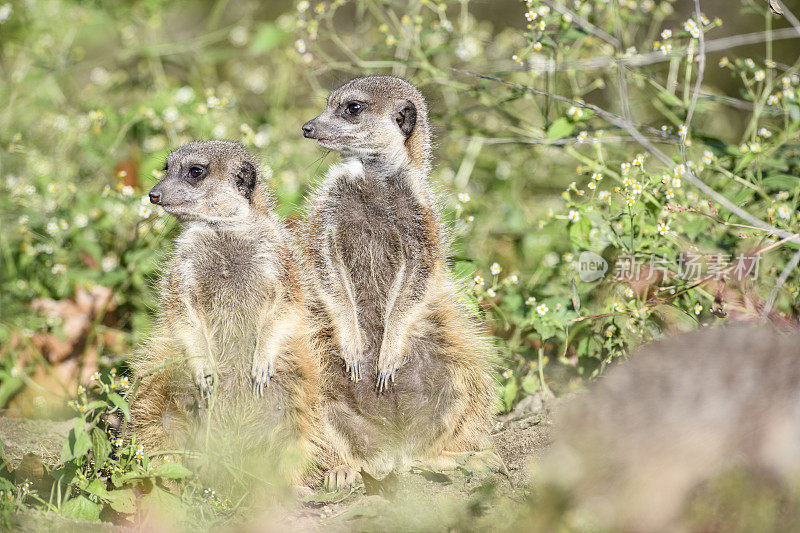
[
  {"x": 697, "y": 308},
  {"x": 507, "y": 374},
  {"x": 574, "y": 215},
  {"x": 604, "y": 195},
  {"x": 109, "y": 263},
  {"x": 495, "y": 269},
  {"x": 629, "y": 292},
  {"x": 666, "y": 34},
  {"x": 676, "y": 182},
  {"x": 52, "y": 227},
  {"x": 759, "y": 75},
  {"x": 58, "y": 268},
  {"x": 708, "y": 157},
  {"x": 542, "y": 309},
  {"x": 491, "y": 293},
  {"x": 171, "y": 114},
  {"x": 5, "y": 12},
  {"x": 537, "y": 46},
  {"x": 575, "y": 112},
  {"x": 663, "y": 228},
  {"x": 127, "y": 191},
  {"x": 81, "y": 220},
  {"x": 184, "y": 95},
  {"x": 479, "y": 281},
  {"x": 784, "y": 212},
  {"x": 765, "y": 133},
  {"x": 530, "y": 301},
  {"x": 463, "y": 197},
  {"x": 145, "y": 211},
  {"x": 749, "y": 63}
]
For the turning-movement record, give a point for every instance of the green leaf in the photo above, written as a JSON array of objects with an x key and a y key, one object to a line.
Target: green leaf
[
  {"x": 96, "y": 487},
  {"x": 122, "y": 501},
  {"x": 78, "y": 442},
  {"x": 172, "y": 471},
  {"x": 164, "y": 504},
  {"x": 559, "y": 129},
  {"x": 121, "y": 403},
  {"x": 544, "y": 329},
  {"x": 576, "y": 298},
  {"x": 9, "y": 385},
  {"x": 100, "y": 446},
  {"x": 510, "y": 393},
  {"x": 81, "y": 508},
  {"x": 530, "y": 384},
  {"x": 267, "y": 37}
]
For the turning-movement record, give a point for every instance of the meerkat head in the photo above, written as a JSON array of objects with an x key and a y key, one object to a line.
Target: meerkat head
[
  {"x": 210, "y": 181},
  {"x": 375, "y": 117}
]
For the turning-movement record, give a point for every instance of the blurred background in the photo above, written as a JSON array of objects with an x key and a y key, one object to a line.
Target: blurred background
[{"x": 94, "y": 95}]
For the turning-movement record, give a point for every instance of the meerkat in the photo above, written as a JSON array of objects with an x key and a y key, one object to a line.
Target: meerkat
[
  {"x": 232, "y": 334},
  {"x": 634, "y": 449},
  {"x": 407, "y": 374}
]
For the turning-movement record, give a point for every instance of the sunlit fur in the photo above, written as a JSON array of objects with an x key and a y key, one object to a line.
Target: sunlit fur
[
  {"x": 232, "y": 342},
  {"x": 406, "y": 371},
  {"x": 633, "y": 450}
]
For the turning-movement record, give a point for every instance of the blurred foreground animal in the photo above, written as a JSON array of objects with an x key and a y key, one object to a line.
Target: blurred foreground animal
[
  {"x": 230, "y": 371},
  {"x": 407, "y": 374},
  {"x": 652, "y": 432}
]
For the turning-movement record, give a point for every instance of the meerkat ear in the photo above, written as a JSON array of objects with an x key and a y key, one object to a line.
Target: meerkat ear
[
  {"x": 246, "y": 179},
  {"x": 406, "y": 117}
]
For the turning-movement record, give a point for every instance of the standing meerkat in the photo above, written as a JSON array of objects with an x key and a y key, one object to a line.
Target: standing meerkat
[
  {"x": 232, "y": 335},
  {"x": 407, "y": 374}
]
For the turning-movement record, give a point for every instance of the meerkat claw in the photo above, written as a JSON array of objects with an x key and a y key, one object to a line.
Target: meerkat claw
[
  {"x": 353, "y": 366},
  {"x": 262, "y": 374},
  {"x": 206, "y": 383}
]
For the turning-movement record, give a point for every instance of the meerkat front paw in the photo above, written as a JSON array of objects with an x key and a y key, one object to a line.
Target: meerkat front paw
[
  {"x": 390, "y": 359},
  {"x": 262, "y": 372},
  {"x": 206, "y": 381},
  {"x": 340, "y": 477},
  {"x": 352, "y": 351}
]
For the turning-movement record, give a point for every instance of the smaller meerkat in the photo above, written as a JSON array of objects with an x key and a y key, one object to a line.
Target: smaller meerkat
[
  {"x": 407, "y": 374},
  {"x": 232, "y": 333},
  {"x": 683, "y": 410}
]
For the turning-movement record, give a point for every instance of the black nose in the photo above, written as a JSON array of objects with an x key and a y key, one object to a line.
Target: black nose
[
  {"x": 155, "y": 197},
  {"x": 308, "y": 129}
]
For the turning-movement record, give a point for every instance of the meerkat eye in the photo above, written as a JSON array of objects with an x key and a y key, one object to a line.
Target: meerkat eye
[
  {"x": 195, "y": 173},
  {"x": 354, "y": 108}
]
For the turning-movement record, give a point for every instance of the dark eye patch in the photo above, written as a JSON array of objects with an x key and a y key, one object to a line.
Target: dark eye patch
[
  {"x": 194, "y": 174},
  {"x": 353, "y": 108}
]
